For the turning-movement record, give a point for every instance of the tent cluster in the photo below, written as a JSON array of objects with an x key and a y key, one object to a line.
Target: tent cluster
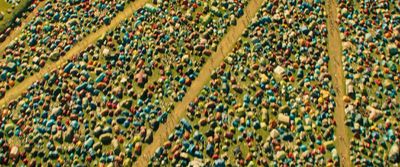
[
  {"x": 270, "y": 103},
  {"x": 370, "y": 31},
  {"x": 20, "y": 11},
  {"x": 55, "y": 29},
  {"x": 13, "y": 2},
  {"x": 105, "y": 103}
]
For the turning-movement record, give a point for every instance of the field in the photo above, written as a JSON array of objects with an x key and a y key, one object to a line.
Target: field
[
  {"x": 201, "y": 83},
  {"x": 8, "y": 18},
  {"x": 4, "y": 6}
]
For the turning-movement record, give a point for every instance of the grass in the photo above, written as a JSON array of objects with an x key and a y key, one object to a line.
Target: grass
[
  {"x": 4, "y": 6},
  {"x": 9, "y": 18}
]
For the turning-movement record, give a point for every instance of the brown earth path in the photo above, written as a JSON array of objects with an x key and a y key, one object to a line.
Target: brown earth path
[
  {"x": 19, "y": 88},
  {"x": 224, "y": 48},
  {"x": 336, "y": 70},
  {"x": 17, "y": 30}
]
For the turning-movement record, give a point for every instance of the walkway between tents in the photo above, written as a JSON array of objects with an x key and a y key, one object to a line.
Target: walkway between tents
[
  {"x": 336, "y": 70},
  {"x": 19, "y": 88},
  {"x": 224, "y": 48},
  {"x": 17, "y": 30}
]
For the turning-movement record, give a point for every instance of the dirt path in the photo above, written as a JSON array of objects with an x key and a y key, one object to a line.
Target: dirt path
[
  {"x": 16, "y": 91},
  {"x": 336, "y": 70},
  {"x": 17, "y": 30},
  {"x": 226, "y": 45}
]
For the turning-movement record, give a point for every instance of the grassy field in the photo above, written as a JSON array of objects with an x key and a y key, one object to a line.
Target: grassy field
[
  {"x": 9, "y": 17},
  {"x": 4, "y": 6}
]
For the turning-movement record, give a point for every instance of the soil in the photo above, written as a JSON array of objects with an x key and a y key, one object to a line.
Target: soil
[
  {"x": 17, "y": 30},
  {"x": 19, "y": 88},
  {"x": 224, "y": 48},
  {"x": 336, "y": 70}
]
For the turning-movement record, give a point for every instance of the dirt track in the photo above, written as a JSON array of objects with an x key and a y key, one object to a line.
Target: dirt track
[
  {"x": 17, "y": 30},
  {"x": 228, "y": 41},
  {"x": 19, "y": 88},
  {"x": 336, "y": 70},
  {"x": 225, "y": 46}
]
